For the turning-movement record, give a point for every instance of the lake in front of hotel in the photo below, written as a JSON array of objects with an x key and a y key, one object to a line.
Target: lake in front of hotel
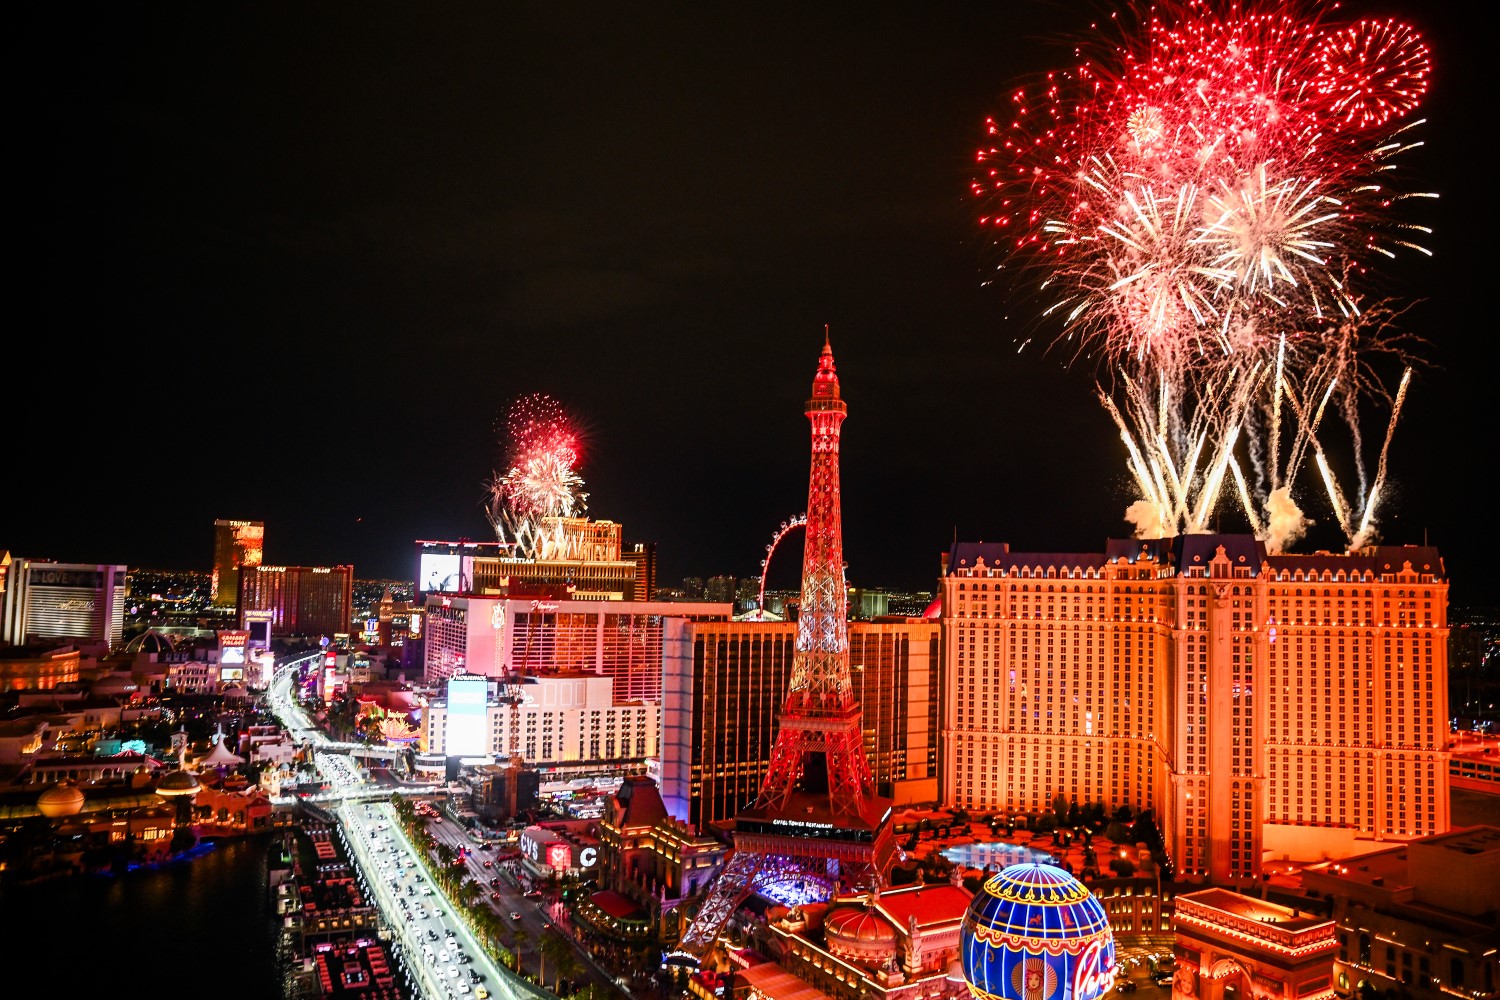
[{"x": 200, "y": 927}]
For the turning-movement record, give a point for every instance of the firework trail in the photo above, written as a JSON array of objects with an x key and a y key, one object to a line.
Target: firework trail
[
  {"x": 1202, "y": 197},
  {"x": 540, "y": 484}
]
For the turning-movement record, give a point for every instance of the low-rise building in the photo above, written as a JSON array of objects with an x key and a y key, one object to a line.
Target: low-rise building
[
  {"x": 1421, "y": 918},
  {"x": 892, "y": 943},
  {"x": 38, "y": 666},
  {"x": 649, "y": 864}
]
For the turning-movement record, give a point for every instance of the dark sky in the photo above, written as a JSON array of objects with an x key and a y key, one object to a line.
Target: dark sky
[{"x": 291, "y": 262}]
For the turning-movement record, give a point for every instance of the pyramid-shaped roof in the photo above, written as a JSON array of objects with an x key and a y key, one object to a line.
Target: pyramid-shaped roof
[{"x": 221, "y": 756}]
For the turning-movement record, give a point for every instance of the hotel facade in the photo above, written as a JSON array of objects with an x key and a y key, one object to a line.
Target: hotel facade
[
  {"x": 724, "y": 684},
  {"x": 568, "y": 726},
  {"x": 301, "y": 600},
  {"x": 621, "y": 640},
  {"x": 1262, "y": 706},
  {"x": 44, "y": 600}
]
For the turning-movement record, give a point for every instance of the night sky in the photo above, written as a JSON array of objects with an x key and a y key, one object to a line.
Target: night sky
[{"x": 291, "y": 263}]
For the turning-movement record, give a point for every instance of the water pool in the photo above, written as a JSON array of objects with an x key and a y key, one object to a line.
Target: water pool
[{"x": 997, "y": 854}]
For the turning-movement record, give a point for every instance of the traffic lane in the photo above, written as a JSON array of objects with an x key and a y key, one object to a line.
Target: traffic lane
[
  {"x": 534, "y": 919},
  {"x": 447, "y": 926},
  {"x": 412, "y": 954},
  {"x": 425, "y": 924}
]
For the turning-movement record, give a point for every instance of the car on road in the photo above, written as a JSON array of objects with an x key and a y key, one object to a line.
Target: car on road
[
  {"x": 514, "y": 915},
  {"x": 532, "y": 894}
]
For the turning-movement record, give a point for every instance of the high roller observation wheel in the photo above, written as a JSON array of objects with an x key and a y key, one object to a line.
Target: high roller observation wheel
[{"x": 787, "y": 527}]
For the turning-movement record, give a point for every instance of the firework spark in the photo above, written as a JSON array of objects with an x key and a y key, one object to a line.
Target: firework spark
[
  {"x": 1201, "y": 197},
  {"x": 541, "y": 484}
]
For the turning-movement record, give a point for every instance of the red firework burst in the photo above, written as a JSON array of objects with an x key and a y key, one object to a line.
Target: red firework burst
[
  {"x": 541, "y": 478},
  {"x": 537, "y": 425},
  {"x": 1207, "y": 183}
]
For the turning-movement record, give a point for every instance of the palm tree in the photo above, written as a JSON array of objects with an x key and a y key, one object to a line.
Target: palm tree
[
  {"x": 522, "y": 941},
  {"x": 367, "y": 729},
  {"x": 487, "y": 928},
  {"x": 554, "y": 948},
  {"x": 569, "y": 968}
]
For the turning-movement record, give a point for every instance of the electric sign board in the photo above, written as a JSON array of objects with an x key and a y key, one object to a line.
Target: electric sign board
[{"x": 468, "y": 718}]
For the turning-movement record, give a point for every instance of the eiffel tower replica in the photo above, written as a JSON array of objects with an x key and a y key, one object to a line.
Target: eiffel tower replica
[{"x": 816, "y": 827}]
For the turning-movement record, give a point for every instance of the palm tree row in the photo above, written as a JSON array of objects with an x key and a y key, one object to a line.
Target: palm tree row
[{"x": 467, "y": 895}]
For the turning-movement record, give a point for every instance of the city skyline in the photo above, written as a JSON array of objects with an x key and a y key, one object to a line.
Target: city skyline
[{"x": 324, "y": 269}]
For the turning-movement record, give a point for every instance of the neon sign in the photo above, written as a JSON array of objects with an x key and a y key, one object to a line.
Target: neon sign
[{"x": 1091, "y": 977}]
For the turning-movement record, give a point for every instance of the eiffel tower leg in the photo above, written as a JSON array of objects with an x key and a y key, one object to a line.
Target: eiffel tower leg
[{"x": 733, "y": 885}]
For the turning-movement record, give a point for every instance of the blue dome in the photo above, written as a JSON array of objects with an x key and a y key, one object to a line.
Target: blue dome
[{"x": 1033, "y": 932}]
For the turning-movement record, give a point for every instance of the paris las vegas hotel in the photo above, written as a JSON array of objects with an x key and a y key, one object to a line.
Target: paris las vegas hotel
[{"x": 1263, "y": 706}]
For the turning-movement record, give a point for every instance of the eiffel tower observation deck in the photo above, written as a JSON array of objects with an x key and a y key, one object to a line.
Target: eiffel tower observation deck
[{"x": 817, "y": 826}]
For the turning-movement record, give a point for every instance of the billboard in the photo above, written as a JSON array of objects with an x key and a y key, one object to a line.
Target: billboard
[
  {"x": 448, "y": 567},
  {"x": 233, "y": 645},
  {"x": 468, "y": 716},
  {"x": 440, "y": 572},
  {"x": 258, "y": 628},
  {"x": 266, "y": 667}
]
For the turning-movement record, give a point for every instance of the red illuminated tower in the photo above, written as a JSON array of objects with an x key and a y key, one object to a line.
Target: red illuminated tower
[{"x": 817, "y": 825}]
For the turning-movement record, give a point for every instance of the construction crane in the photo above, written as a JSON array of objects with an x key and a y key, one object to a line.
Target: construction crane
[
  {"x": 512, "y": 685},
  {"x": 511, "y": 691}
]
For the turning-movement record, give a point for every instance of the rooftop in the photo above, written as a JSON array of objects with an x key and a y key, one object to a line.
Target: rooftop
[{"x": 1252, "y": 908}]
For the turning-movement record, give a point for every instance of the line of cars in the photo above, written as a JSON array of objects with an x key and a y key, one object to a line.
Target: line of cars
[{"x": 444, "y": 954}]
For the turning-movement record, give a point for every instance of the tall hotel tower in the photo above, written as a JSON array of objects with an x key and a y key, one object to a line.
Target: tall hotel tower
[
  {"x": 723, "y": 687},
  {"x": 236, "y": 544},
  {"x": 301, "y": 600},
  {"x": 1262, "y": 706}
]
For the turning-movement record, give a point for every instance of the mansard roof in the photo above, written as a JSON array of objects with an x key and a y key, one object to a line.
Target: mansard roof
[
  {"x": 1186, "y": 552},
  {"x": 1376, "y": 561}
]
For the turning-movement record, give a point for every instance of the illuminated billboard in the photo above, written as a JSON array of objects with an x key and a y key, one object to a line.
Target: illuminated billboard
[
  {"x": 468, "y": 718},
  {"x": 440, "y": 572},
  {"x": 233, "y": 645},
  {"x": 267, "y": 666},
  {"x": 448, "y": 567},
  {"x": 258, "y": 628}
]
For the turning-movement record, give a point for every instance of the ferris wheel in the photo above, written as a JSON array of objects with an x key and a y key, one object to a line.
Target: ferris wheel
[{"x": 787, "y": 527}]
